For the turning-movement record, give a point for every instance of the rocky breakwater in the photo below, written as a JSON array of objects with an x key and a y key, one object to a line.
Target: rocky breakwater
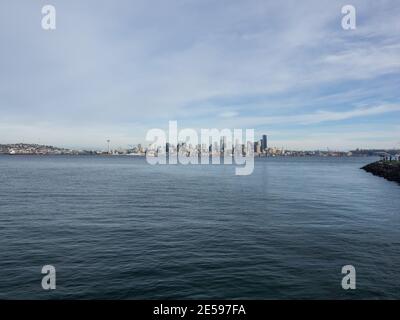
[{"x": 389, "y": 170}]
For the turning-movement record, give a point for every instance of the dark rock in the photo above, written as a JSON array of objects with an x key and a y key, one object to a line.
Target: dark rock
[{"x": 389, "y": 170}]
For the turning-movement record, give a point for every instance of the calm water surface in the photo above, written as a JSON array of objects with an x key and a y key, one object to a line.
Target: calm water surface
[{"x": 116, "y": 227}]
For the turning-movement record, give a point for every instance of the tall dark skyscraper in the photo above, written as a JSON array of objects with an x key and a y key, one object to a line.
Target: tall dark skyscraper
[{"x": 264, "y": 145}]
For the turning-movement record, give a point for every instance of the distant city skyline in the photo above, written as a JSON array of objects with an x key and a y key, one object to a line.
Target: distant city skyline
[{"x": 287, "y": 69}]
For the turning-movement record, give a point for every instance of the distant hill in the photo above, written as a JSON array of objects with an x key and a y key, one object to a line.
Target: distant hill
[{"x": 24, "y": 148}]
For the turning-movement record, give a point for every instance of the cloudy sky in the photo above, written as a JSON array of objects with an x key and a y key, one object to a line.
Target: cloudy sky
[{"x": 114, "y": 69}]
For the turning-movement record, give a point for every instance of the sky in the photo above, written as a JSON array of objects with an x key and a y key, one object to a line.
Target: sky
[{"x": 115, "y": 69}]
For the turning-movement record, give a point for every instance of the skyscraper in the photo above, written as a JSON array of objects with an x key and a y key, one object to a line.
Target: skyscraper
[
  {"x": 257, "y": 147},
  {"x": 223, "y": 145},
  {"x": 264, "y": 145}
]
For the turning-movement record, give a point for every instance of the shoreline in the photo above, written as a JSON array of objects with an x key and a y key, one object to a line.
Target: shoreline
[{"x": 144, "y": 155}]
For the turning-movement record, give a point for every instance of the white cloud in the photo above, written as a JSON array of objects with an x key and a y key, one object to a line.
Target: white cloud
[
  {"x": 229, "y": 114},
  {"x": 316, "y": 117}
]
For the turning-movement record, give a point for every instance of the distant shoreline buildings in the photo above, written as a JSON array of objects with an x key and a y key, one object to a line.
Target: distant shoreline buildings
[{"x": 258, "y": 148}]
